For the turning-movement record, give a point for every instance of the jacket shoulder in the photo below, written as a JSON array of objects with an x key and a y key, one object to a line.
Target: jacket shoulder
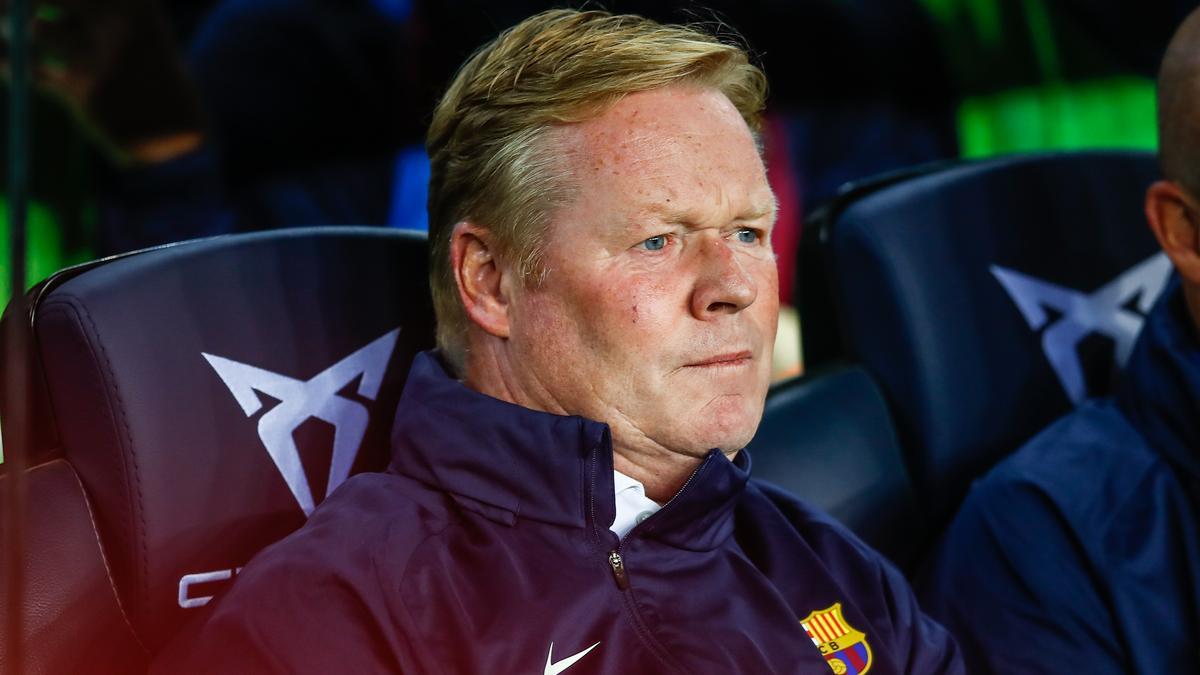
[
  {"x": 379, "y": 512},
  {"x": 1085, "y": 468},
  {"x": 329, "y": 583},
  {"x": 819, "y": 530},
  {"x": 1042, "y": 540},
  {"x": 784, "y": 531}
]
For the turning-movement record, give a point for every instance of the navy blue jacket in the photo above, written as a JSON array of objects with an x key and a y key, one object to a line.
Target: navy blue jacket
[
  {"x": 1081, "y": 553},
  {"x": 485, "y": 548}
]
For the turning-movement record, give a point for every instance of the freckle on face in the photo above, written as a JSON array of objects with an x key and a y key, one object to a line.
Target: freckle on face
[{"x": 613, "y": 335}]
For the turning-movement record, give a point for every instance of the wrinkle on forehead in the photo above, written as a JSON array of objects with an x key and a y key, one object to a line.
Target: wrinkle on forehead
[
  {"x": 637, "y": 130},
  {"x": 655, "y": 148}
]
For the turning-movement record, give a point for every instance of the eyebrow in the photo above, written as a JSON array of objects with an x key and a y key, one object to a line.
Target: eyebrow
[
  {"x": 763, "y": 209},
  {"x": 684, "y": 217}
]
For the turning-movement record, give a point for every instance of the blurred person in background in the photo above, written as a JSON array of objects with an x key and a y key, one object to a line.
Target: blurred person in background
[
  {"x": 1082, "y": 551},
  {"x": 116, "y": 67},
  {"x": 281, "y": 112},
  {"x": 308, "y": 103},
  {"x": 313, "y": 109},
  {"x": 568, "y": 488}
]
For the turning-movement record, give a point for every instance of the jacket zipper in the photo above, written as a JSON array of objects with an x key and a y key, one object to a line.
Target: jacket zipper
[
  {"x": 618, "y": 568},
  {"x": 616, "y": 562}
]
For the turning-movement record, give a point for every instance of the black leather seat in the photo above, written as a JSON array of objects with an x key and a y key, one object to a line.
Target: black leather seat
[
  {"x": 207, "y": 395},
  {"x": 70, "y": 612},
  {"x": 829, "y": 439},
  {"x": 985, "y": 297}
]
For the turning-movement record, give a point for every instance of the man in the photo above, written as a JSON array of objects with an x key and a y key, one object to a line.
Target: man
[
  {"x": 1081, "y": 552},
  {"x": 567, "y": 491}
]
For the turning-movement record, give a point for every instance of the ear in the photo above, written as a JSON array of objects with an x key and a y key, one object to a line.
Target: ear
[
  {"x": 1172, "y": 215},
  {"x": 481, "y": 278}
]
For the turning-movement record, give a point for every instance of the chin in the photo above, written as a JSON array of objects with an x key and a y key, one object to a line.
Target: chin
[{"x": 728, "y": 424}]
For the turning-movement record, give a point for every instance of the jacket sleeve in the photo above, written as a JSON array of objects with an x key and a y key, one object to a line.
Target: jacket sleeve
[
  {"x": 1013, "y": 585},
  {"x": 919, "y": 642}
]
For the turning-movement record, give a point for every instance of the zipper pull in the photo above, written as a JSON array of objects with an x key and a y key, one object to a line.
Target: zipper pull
[{"x": 618, "y": 568}]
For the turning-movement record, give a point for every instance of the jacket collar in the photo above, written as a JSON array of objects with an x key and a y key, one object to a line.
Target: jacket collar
[
  {"x": 1160, "y": 393},
  {"x": 546, "y": 467}
]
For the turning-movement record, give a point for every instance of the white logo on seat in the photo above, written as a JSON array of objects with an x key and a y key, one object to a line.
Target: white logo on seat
[
  {"x": 299, "y": 401},
  {"x": 556, "y": 668},
  {"x": 187, "y": 581},
  {"x": 1104, "y": 311}
]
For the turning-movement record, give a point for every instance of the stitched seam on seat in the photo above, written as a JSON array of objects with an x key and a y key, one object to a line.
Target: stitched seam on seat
[
  {"x": 136, "y": 504},
  {"x": 112, "y": 583},
  {"x": 70, "y": 311}
]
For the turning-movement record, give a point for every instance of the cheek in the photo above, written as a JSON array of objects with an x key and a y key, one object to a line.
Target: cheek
[
  {"x": 543, "y": 327},
  {"x": 635, "y": 306},
  {"x": 612, "y": 315},
  {"x": 767, "y": 303}
]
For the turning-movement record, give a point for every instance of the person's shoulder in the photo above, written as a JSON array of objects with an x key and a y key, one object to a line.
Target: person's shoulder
[
  {"x": 332, "y": 582},
  {"x": 1061, "y": 495},
  {"x": 1035, "y": 540},
  {"x": 806, "y": 535},
  {"x": 780, "y": 525},
  {"x": 378, "y": 497},
  {"x": 1084, "y": 467},
  {"x": 785, "y": 515},
  {"x": 373, "y": 521}
]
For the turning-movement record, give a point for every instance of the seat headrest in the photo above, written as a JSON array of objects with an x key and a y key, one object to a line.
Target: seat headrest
[
  {"x": 829, "y": 439},
  {"x": 986, "y": 297},
  {"x": 211, "y": 393}
]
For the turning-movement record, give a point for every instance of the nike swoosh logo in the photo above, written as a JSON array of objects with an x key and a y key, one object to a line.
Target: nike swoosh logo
[{"x": 556, "y": 668}]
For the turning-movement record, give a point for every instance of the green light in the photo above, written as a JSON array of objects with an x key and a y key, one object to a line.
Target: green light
[
  {"x": 1041, "y": 32},
  {"x": 1110, "y": 113},
  {"x": 44, "y": 253},
  {"x": 49, "y": 13},
  {"x": 985, "y": 16}
]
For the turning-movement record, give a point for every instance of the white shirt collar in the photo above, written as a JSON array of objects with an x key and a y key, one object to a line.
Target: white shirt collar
[{"x": 633, "y": 506}]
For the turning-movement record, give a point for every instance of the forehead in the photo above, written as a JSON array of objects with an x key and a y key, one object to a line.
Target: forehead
[{"x": 666, "y": 144}]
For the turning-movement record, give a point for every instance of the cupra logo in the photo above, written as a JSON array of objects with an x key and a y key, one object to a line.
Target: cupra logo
[
  {"x": 316, "y": 398},
  {"x": 1106, "y": 311}
]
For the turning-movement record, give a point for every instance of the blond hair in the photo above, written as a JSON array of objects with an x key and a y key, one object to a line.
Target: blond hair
[{"x": 491, "y": 162}]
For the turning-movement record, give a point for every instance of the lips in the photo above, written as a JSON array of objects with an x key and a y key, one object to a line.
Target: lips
[{"x": 731, "y": 359}]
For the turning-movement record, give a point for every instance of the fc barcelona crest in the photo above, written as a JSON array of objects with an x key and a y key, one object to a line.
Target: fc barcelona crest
[{"x": 844, "y": 647}]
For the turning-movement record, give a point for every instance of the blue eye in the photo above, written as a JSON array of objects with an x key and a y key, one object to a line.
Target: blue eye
[
  {"x": 655, "y": 243},
  {"x": 747, "y": 236}
]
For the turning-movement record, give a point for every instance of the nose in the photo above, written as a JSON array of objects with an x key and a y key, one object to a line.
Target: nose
[{"x": 723, "y": 285}]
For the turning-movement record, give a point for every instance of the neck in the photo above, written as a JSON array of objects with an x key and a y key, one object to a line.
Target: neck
[
  {"x": 663, "y": 479},
  {"x": 661, "y": 470},
  {"x": 489, "y": 370}
]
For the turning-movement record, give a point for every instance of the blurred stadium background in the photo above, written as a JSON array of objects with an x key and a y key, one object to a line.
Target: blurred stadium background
[
  {"x": 859, "y": 86},
  {"x": 315, "y": 109}
]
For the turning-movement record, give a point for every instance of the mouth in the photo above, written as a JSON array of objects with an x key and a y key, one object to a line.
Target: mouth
[{"x": 730, "y": 360}]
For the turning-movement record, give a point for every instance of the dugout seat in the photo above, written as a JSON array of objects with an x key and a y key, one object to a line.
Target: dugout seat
[
  {"x": 192, "y": 404},
  {"x": 985, "y": 297},
  {"x": 829, "y": 438}
]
